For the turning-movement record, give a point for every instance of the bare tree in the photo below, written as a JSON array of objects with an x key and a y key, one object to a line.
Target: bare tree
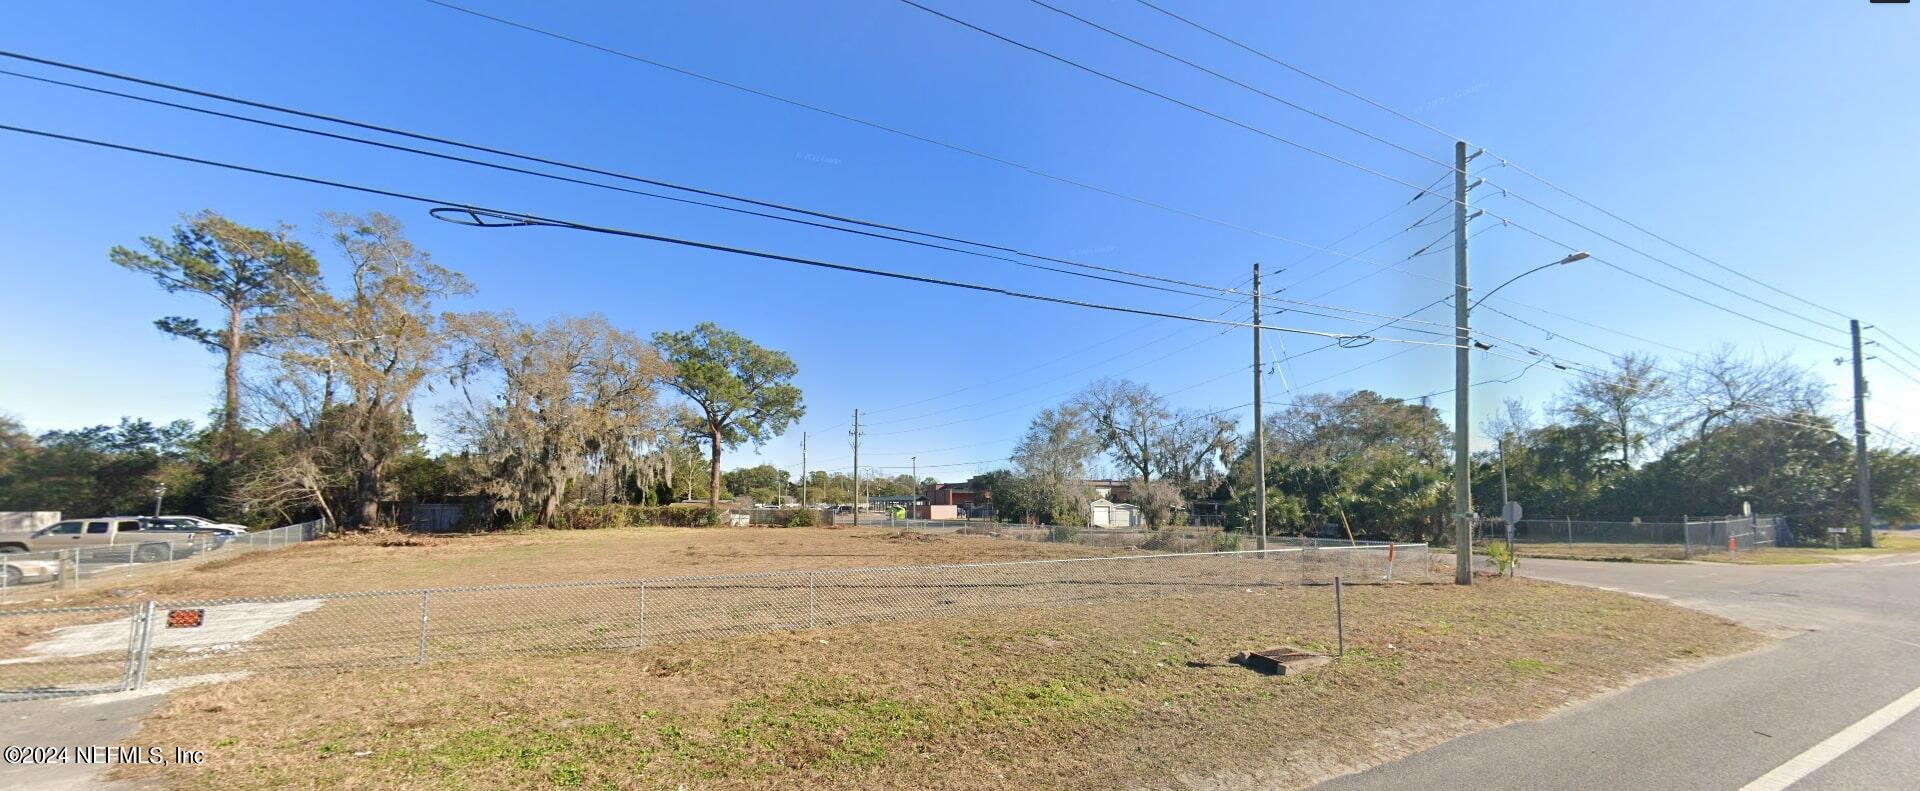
[
  {"x": 1195, "y": 448},
  {"x": 366, "y": 352},
  {"x": 1130, "y": 420},
  {"x": 1724, "y": 385},
  {"x": 1625, "y": 402}
]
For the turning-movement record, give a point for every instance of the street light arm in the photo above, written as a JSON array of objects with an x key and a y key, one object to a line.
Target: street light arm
[{"x": 1568, "y": 260}]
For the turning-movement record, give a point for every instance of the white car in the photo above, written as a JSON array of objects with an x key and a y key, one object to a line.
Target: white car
[
  {"x": 22, "y": 571},
  {"x": 198, "y": 524}
]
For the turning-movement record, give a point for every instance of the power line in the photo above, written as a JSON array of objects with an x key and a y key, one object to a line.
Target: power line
[
  {"x": 1890, "y": 336},
  {"x": 1049, "y": 364},
  {"x": 1504, "y": 162},
  {"x": 1165, "y": 97},
  {"x": 479, "y": 216},
  {"x": 1894, "y": 353},
  {"x": 1365, "y": 169},
  {"x": 579, "y": 168},
  {"x": 885, "y": 128}
]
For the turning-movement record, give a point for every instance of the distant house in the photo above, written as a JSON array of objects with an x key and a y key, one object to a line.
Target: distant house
[
  {"x": 1108, "y": 514},
  {"x": 1115, "y": 489}
]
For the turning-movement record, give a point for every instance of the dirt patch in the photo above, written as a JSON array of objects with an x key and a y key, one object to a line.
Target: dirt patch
[{"x": 1122, "y": 694}]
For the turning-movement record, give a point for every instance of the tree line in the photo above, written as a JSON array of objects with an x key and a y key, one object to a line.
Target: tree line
[
  {"x": 1703, "y": 437},
  {"x": 320, "y": 377}
]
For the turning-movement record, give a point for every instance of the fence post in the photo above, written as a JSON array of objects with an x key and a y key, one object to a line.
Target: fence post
[
  {"x": 425, "y": 599},
  {"x": 1339, "y": 618},
  {"x": 1389, "y": 561},
  {"x": 1686, "y": 537},
  {"x": 643, "y": 613},
  {"x": 73, "y": 580},
  {"x": 1569, "y": 534},
  {"x": 146, "y": 646},
  {"x": 136, "y": 623},
  {"x": 813, "y": 604}
]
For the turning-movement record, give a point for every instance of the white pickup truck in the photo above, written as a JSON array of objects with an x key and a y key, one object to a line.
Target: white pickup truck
[{"x": 142, "y": 539}]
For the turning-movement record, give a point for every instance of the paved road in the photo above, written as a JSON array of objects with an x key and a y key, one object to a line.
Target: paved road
[{"x": 1850, "y": 647}]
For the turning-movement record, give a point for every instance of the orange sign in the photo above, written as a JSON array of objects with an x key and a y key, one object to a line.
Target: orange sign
[{"x": 185, "y": 619}]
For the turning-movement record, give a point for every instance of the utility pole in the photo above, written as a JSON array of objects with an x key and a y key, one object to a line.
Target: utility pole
[
  {"x": 803, "y": 469},
  {"x": 1865, "y": 473},
  {"x": 1259, "y": 425},
  {"x": 856, "y": 467},
  {"x": 1462, "y": 473}
]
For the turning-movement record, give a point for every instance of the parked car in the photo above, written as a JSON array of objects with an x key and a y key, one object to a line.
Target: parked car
[
  {"x": 198, "y": 524},
  {"x": 128, "y": 532},
  {"x": 22, "y": 571}
]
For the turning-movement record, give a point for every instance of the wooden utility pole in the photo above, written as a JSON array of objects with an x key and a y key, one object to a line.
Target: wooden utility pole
[
  {"x": 1462, "y": 407},
  {"x": 803, "y": 469},
  {"x": 856, "y": 467},
  {"x": 1865, "y": 473},
  {"x": 1259, "y": 425}
]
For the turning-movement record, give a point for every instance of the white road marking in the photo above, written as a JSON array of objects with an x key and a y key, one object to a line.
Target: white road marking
[
  {"x": 1835, "y": 746},
  {"x": 1902, "y": 563}
]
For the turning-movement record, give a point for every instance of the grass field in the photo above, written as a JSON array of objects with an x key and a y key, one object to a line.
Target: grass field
[
  {"x": 1125, "y": 693},
  {"x": 394, "y": 561}
]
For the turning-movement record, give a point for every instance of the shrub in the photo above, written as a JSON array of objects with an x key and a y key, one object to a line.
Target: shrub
[
  {"x": 1224, "y": 541},
  {"x": 1161, "y": 540},
  {"x": 591, "y": 517},
  {"x": 1063, "y": 534},
  {"x": 800, "y": 518},
  {"x": 1502, "y": 559}
]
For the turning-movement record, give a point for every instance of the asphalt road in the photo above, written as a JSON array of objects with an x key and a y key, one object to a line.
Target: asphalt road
[{"x": 1850, "y": 647}]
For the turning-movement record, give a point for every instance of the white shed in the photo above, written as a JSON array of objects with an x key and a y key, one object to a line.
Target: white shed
[{"x": 1106, "y": 513}]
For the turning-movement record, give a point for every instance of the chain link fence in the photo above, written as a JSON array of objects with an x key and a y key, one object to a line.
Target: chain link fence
[
  {"x": 1683, "y": 539},
  {"x": 84, "y": 650},
  {"x": 28, "y": 575}
]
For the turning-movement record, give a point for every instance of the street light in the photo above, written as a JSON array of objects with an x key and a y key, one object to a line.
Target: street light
[
  {"x": 1568, "y": 260},
  {"x": 1464, "y": 345}
]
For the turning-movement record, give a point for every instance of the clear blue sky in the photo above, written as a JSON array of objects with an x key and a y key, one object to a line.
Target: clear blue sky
[{"x": 1775, "y": 137}]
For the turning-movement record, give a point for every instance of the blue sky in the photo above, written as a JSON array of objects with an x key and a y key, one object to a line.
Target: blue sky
[{"x": 1773, "y": 137}]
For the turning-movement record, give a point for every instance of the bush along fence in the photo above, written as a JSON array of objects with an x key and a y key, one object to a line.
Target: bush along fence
[
  {"x": 1683, "y": 539},
  {"x": 28, "y": 575},
  {"x": 86, "y": 650}
]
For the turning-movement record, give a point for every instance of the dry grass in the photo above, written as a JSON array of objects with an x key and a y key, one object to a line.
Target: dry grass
[
  {"x": 1885, "y": 543},
  {"x": 1108, "y": 695},
  {"x": 393, "y": 561},
  {"x": 1605, "y": 552}
]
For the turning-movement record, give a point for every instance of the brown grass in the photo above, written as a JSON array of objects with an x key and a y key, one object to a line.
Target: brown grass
[
  {"x": 392, "y": 561},
  {"x": 1114, "y": 694}
]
